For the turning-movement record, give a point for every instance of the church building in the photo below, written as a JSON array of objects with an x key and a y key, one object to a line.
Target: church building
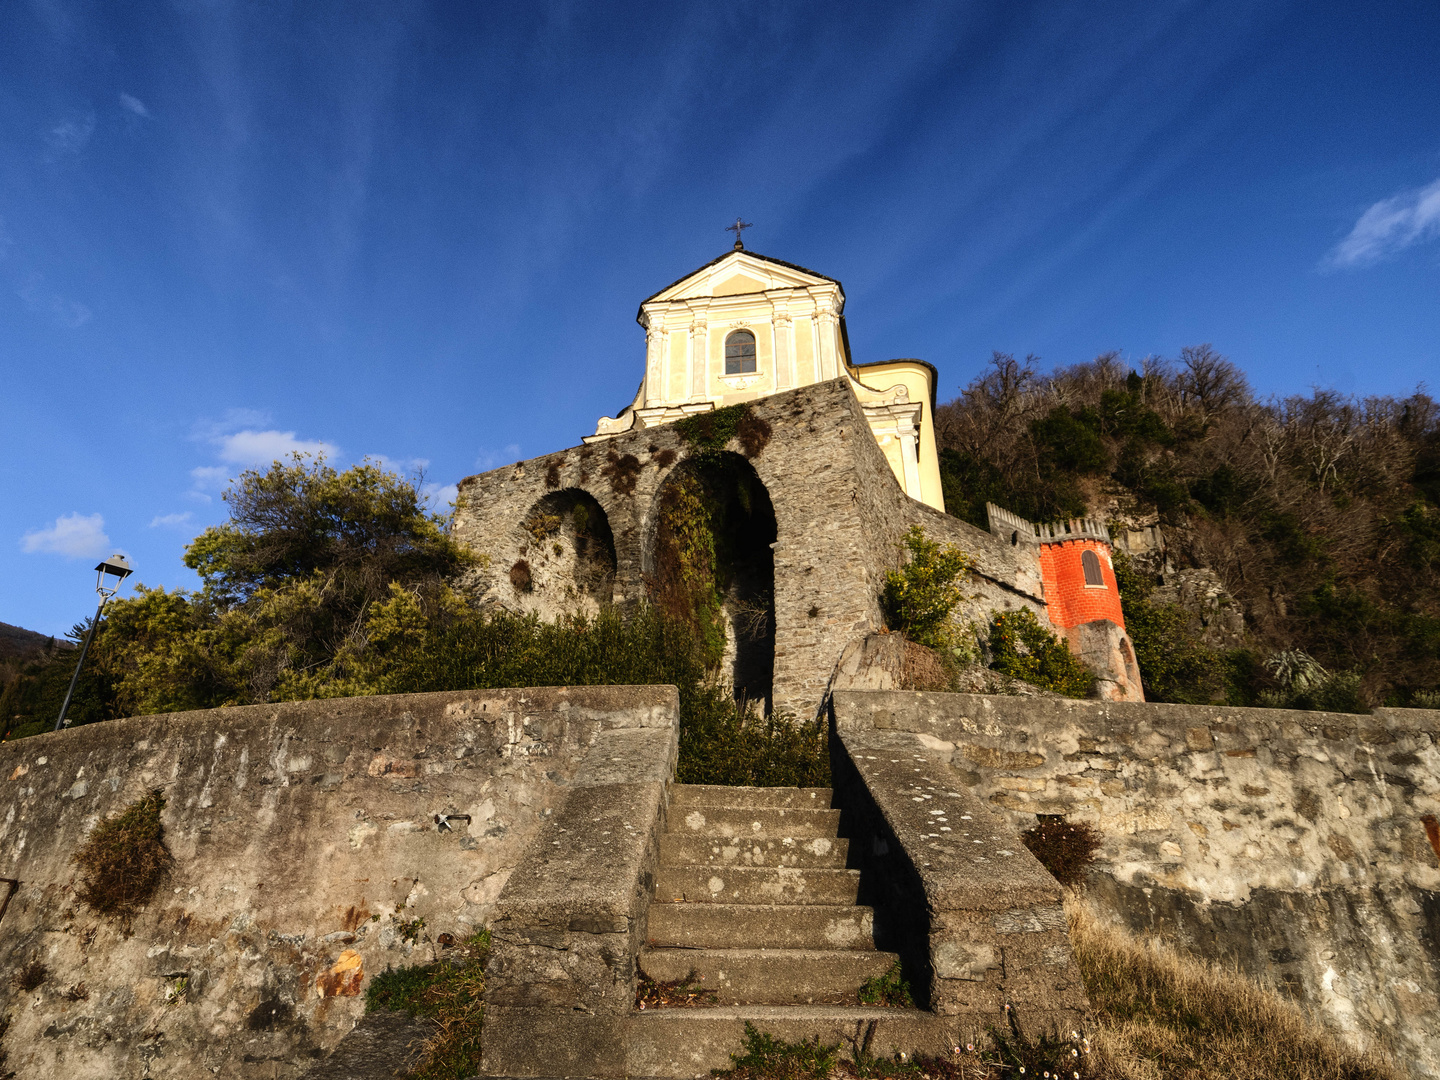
[
  {"x": 746, "y": 326},
  {"x": 837, "y": 461}
]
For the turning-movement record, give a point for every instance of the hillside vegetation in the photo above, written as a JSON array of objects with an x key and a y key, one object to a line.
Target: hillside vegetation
[{"x": 1320, "y": 513}]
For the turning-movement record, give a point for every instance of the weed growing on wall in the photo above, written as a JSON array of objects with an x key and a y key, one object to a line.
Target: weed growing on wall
[
  {"x": 1065, "y": 848},
  {"x": 687, "y": 583},
  {"x": 451, "y": 994},
  {"x": 124, "y": 859},
  {"x": 32, "y": 976},
  {"x": 708, "y": 433},
  {"x": 1025, "y": 650},
  {"x": 921, "y": 594}
]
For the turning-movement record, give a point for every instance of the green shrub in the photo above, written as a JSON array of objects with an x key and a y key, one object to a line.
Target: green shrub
[
  {"x": 1025, "y": 650},
  {"x": 1175, "y": 665},
  {"x": 922, "y": 593}
]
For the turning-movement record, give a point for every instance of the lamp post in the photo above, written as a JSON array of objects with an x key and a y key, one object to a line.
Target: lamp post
[{"x": 118, "y": 567}]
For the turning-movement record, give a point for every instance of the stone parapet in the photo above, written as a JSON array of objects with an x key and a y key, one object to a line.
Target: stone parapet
[
  {"x": 314, "y": 844},
  {"x": 979, "y": 922},
  {"x": 1296, "y": 846},
  {"x": 567, "y": 930}
]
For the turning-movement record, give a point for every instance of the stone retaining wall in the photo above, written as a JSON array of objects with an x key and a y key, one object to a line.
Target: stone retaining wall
[
  {"x": 1295, "y": 845},
  {"x": 308, "y": 848}
]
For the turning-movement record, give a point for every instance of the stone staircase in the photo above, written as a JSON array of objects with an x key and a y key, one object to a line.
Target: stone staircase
[{"x": 754, "y": 901}]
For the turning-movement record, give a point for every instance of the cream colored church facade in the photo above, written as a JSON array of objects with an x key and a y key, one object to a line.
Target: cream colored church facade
[{"x": 746, "y": 326}]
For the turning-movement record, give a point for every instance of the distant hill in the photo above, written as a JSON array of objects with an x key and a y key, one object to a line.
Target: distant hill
[{"x": 17, "y": 643}]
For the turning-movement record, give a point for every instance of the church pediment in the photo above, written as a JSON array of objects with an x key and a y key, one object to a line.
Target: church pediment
[{"x": 737, "y": 273}]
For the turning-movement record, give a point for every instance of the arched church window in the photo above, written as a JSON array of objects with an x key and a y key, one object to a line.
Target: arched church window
[
  {"x": 1090, "y": 563},
  {"x": 740, "y": 353}
]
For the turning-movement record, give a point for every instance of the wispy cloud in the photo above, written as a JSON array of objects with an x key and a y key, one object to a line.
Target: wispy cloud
[
  {"x": 400, "y": 465},
  {"x": 133, "y": 104},
  {"x": 76, "y": 536},
  {"x": 492, "y": 459},
  {"x": 71, "y": 135},
  {"x": 171, "y": 521},
  {"x": 241, "y": 440},
  {"x": 210, "y": 476},
  {"x": 439, "y": 497},
  {"x": 1390, "y": 226},
  {"x": 59, "y": 309}
]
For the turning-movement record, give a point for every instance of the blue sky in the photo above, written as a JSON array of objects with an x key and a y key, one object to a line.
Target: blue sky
[{"x": 421, "y": 232}]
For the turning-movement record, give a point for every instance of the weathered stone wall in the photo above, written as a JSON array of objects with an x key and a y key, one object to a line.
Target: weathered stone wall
[
  {"x": 979, "y": 923},
  {"x": 840, "y": 515},
  {"x": 1291, "y": 844},
  {"x": 306, "y": 846}
]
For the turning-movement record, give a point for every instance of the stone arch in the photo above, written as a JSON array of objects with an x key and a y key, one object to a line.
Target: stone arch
[
  {"x": 566, "y": 556},
  {"x": 723, "y": 492}
]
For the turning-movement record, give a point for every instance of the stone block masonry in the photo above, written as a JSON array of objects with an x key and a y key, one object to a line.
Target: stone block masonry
[
  {"x": 315, "y": 843},
  {"x": 840, "y": 516},
  {"x": 1300, "y": 847}
]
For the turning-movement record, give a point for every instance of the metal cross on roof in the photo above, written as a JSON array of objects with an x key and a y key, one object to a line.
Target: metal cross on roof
[{"x": 738, "y": 229}]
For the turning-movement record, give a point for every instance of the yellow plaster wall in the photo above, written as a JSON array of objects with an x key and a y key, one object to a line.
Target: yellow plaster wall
[{"x": 916, "y": 378}]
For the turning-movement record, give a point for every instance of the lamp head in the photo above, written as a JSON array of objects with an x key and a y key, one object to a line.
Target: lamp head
[{"x": 116, "y": 566}]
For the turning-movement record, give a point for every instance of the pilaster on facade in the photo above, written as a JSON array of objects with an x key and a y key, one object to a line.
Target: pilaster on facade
[
  {"x": 899, "y": 421},
  {"x": 699, "y": 348}
]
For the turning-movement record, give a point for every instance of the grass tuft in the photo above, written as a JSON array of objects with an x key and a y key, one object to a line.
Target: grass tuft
[
  {"x": 888, "y": 989},
  {"x": 769, "y": 1058},
  {"x": 451, "y": 994}
]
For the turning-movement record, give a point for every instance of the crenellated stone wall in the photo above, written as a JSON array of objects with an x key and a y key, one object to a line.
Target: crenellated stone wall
[{"x": 1301, "y": 847}]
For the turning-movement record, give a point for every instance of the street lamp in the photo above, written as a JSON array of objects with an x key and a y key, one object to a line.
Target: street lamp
[{"x": 117, "y": 567}]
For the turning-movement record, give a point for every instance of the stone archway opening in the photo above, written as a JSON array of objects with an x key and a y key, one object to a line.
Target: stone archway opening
[
  {"x": 711, "y": 565},
  {"x": 566, "y": 556}
]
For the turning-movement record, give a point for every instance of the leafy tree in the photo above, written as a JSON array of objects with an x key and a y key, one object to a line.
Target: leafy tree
[{"x": 1320, "y": 512}]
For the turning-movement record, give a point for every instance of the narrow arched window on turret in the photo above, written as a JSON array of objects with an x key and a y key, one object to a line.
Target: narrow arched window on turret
[
  {"x": 740, "y": 353},
  {"x": 1090, "y": 563}
]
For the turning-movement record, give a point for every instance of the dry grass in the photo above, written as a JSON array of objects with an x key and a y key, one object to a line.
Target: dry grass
[
  {"x": 1162, "y": 1015},
  {"x": 124, "y": 859}
]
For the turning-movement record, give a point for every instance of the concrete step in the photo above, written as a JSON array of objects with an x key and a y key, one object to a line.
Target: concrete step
[
  {"x": 678, "y": 849},
  {"x": 691, "y": 1042},
  {"x": 762, "y": 926},
  {"x": 755, "y": 885},
  {"x": 750, "y": 822},
  {"x": 771, "y": 976},
  {"x": 685, "y": 797}
]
